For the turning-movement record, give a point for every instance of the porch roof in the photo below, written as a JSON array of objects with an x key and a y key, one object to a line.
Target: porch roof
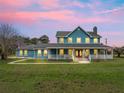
[{"x": 56, "y": 45}]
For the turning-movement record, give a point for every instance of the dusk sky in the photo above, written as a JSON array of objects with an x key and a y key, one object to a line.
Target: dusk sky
[{"x": 35, "y": 18}]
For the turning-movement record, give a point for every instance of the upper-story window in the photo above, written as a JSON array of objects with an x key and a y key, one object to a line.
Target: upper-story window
[
  {"x": 61, "y": 40},
  {"x": 87, "y": 40},
  {"x": 95, "y": 40},
  {"x": 78, "y": 40},
  {"x": 69, "y": 40}
]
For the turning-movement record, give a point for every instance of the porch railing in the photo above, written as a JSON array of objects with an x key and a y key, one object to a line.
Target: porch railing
[
  {"x": 101, "y": 56},
  {"x": 59, "y": 57}
]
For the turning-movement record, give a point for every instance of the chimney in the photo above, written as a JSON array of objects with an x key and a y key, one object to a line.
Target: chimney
[{"x": 95, "y": 29}]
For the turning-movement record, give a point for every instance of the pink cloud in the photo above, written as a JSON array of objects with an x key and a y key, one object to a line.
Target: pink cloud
[
  {"x": 14, "y": 3},
  {"x": 31, "y": 17},
  {"x": 65, "y": 16},
  {"x": 49, "y": 4}
]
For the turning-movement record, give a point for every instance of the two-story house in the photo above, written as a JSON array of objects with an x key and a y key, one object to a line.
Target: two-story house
[{"x": 77, "y": 45}]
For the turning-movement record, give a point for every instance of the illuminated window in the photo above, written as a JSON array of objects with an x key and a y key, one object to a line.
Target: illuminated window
[
  {"x": 61, "y": 51},
  {"x": 76, "y": 53},
  {"x": 87, "y": 40},
  {"x": 78, "y": 40},
  {"x": 80, "y": 52},
  {"x": 25, "y": 52},
  {"x": 69, "y": 40},
  {"x": 95, "y": 51},
  {"x": 87, "y": 52},
  {"x": 45, "y": 52},
  {"x": 39, "y": 53},
  {"x": 95, "y": 40},
  {"x": 70, "y": 52},
  {"x": 21, "y": 52},
  {"x": 61, "y": 40}
]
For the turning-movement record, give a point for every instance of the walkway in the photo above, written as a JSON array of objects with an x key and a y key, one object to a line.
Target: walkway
[{"x": 21, "y": 62}]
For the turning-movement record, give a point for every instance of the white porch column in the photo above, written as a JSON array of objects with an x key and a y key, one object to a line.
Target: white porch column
[
  {"x": 57, "y": 54},
  {"x": 73, "y": 55},
  {"x": 104, "y": 53},
  {"x": 34, "y": 53},
  {"x": 83, "y": 53},
  {"x": 48, "y": 53},
  {"x": 112, "y": 53}
]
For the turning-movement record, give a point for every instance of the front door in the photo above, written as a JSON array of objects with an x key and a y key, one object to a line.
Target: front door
[{"x": 78, "y": 53}]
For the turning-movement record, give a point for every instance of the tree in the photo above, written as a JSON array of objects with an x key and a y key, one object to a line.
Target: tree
[
  {"x": 34, "y": 40},
  {"x": 8, "y": 38},
  {"x": 44, "y": 39},
  {"x": 119, "y": 51}
]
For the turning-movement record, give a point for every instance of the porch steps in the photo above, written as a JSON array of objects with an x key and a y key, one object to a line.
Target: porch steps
[{"x": 82, "y": 60}]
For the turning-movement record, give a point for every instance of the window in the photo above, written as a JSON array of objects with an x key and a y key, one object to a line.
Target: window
[
  {"x": 45, "y": 52},
  {"x": 21, "y": 52},
  {"x": 95, "y": 40},
  {"x": 87, "y": 52},
  {"x": 39, "y": 53},
  {"x": 25, "y": 52},
  {"x": 69, "y": 40},
  {"x": 61, "y": 40},
  {"x": 61, "y": 52},
  {"x": 87, "y": 40},
  {"x": 76, "y": 53},
  {"x": 70, "y": 52},
  {"x": 78, "y": 40},
  {"x": 95, "y": 51}
]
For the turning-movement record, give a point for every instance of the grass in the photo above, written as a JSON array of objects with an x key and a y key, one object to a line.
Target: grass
[
  {"x": 9, "y": 60},
  {"x": 42, "y": 61},
  {"x": 97, "y": 77}
]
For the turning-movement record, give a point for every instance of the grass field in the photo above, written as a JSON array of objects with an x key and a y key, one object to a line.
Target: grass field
[{"x": 98, "y": 77}]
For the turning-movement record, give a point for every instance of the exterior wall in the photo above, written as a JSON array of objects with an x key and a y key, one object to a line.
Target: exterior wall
[
  {"x": 78, "y": 33},
  {"x": 30, "y": 53}
]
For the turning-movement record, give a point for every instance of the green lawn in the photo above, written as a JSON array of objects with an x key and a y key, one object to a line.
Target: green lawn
[
  {"x": 9, "y": 60},
  {"x": 97, "y": 77}
]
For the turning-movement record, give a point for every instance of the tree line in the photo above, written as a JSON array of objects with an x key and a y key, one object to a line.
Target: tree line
[{"x": 10, "y": 40}]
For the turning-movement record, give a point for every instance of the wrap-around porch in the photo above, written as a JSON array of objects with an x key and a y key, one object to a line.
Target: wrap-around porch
[{"x": 77, "y": 54}]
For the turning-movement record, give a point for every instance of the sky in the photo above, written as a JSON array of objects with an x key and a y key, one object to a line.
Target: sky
[{"x": 34, "y": 18}]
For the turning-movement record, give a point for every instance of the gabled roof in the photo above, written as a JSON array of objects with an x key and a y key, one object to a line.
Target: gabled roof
[
  {"x": 94, "y": 34},
  {"x": 78, "y": 28},
  {"x": 66, "y": 33},
  {"x": 62, "y": 33}
]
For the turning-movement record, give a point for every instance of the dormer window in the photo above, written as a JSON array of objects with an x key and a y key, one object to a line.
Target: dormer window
[
  {"x": 95, "y": 40},
  {"x": 87, "y": 40},
  {"x": 61, "y": 40},
  {"x": 78, "y": 40},
  {"x": 69, "y": 40}
]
